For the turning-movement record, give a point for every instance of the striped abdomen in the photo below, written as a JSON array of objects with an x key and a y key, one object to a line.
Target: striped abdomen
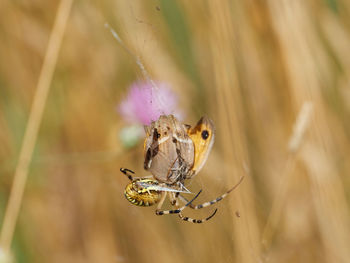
[{"x": 139, "y": 192}]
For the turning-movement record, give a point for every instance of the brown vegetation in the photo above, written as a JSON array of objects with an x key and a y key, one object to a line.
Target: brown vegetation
[{"x": 273, "y": 75}]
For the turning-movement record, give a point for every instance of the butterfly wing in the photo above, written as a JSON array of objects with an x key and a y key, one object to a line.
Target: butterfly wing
[
  {"x": 202, "y": 135},
  {"x": 168, "y": 150}
]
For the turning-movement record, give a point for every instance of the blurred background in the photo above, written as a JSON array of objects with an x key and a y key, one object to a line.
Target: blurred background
[{"x": 249, "y": 65}]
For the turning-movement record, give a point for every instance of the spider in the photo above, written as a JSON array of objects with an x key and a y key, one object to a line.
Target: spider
[{"x": 147, "y": 192}]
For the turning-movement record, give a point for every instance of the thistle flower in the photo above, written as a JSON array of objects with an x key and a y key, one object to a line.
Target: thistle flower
[{"x": 145, "y": 103}]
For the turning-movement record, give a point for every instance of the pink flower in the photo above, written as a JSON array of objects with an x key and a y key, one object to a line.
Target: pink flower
[{"x": 145, "y": 103}]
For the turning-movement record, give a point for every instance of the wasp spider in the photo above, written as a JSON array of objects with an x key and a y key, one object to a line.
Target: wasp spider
[{"x": 147, "y": 192}]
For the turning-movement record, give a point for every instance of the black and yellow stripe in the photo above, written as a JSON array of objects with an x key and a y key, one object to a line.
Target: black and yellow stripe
[{"x": 142, "y": 196}]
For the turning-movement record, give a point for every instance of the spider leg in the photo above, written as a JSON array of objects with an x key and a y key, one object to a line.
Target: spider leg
[
  {"x": 161, "y": 201},
  {"x": 197, "y": 221},
  {"x": 206, "y": 204},
  {"x": 174, "y": 211},
  {"x": 128, "y": 173},
  {"x": 174, "y": 198}
]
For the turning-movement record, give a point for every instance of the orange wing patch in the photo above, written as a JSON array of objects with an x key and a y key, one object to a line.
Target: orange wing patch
[{"x": 202, "y": 135}]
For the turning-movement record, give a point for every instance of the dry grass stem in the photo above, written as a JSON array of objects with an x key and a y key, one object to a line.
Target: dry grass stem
[
  {"x": 231, "y": 135},
  {"x": 299, "y": 128},
  {"x": 35, "y": 117}
]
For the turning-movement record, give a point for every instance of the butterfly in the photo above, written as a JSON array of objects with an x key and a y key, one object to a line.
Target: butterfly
[{"x": 174, "y": 151}]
